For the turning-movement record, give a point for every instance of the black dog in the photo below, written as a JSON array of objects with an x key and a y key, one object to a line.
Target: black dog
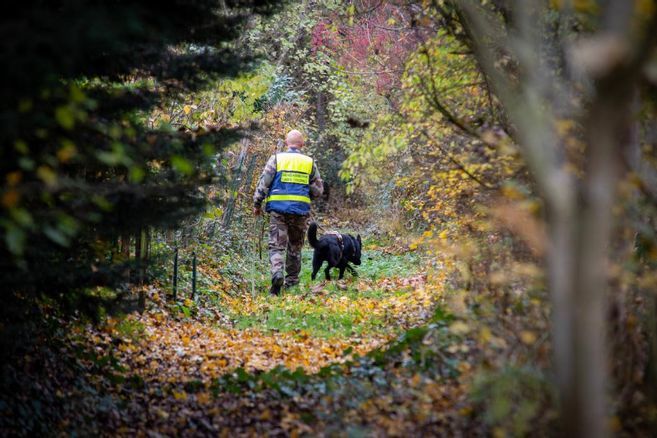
[{"x": 336, "y": 249}]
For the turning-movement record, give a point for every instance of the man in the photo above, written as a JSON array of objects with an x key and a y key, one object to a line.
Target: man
[{"x": 287, "y": 184}]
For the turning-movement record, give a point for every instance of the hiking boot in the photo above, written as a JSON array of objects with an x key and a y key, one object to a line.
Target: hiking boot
[
  {"x": 276, "y": 283},
  {"x": 289, "y": 283}
]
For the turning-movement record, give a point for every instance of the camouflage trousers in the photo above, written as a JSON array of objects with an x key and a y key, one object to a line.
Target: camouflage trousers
[{"x": 286, "y": 232}]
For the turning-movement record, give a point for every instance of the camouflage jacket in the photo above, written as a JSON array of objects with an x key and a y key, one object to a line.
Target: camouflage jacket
[{"x": 268, "y": 174}]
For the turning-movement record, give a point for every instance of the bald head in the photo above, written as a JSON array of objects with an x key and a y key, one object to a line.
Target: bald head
[{"x": 294, "y": 138}]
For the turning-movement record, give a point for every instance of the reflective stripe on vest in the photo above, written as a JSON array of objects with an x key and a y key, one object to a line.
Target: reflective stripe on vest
[
  {"x": 298, "y": 198},
  {"x": 290, "y": 190}
]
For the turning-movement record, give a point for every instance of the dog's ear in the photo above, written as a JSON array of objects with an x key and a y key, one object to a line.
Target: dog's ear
[{"x": 358, "y": 238}]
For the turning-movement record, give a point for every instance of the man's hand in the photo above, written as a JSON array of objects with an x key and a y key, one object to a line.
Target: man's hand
[{"x": 257, "y": 211}]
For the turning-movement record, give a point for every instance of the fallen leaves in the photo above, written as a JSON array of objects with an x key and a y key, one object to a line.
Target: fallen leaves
[
  {"x": 170, "y": 373},
  {"x": 382, "y": 306},
  {"x": 183, "y": 351}
]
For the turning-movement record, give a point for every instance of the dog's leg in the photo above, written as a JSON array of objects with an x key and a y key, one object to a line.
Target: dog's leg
[
  {"x": 327, "y": 272},
  {"x": 317, "y": 263},
  {"x": 351, "y": 270}
]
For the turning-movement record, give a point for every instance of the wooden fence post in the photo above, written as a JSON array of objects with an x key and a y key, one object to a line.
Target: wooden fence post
[
  {"x": 193, "y": 275},
  {"x": 175, "y": 275}
]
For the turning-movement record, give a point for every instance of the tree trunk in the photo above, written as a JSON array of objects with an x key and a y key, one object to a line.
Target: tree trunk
[
  {"x": 320, "y": 114},
  {"x": 580, "y": 296},
  {"x": 581, "y": 210},
  {"x": 561, "y": 268},
  {"x": 125, "y": 256},
  {"x": 138, "y": 254},
  {"x": 138, "y": 264},
  {"x": 147, "y": 252}
]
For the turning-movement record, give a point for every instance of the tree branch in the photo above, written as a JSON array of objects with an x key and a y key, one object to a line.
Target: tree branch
[
  {"x": 527, "y": 110},
  {"x": 457, "y": 163}
]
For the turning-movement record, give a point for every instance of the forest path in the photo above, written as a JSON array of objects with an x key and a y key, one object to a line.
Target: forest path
[{"x": 177, "y": 366}]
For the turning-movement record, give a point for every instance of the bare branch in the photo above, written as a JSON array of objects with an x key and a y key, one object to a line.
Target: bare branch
[
  {"x": 456, "y": 162},
  {"x": 531, "y": 116}
]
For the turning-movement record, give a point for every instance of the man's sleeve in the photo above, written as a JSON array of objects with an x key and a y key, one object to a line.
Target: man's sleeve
[
  {"x": 264, "y": 183},
  {"x": 316, "y": 183}
]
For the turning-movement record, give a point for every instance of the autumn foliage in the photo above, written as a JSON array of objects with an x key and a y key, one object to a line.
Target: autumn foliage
[{"x": 137, "y": 275}]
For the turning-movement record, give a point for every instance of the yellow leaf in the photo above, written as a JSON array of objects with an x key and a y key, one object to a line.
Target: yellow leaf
[
  {"x": 162, "y": 413},
  {"x": 564, "y": 126},
  {"x": 187, "y": 109},
  {"x": 527, "y": 337},
  {"x": 465, "y": 412},
  {"x": 584, "y": 6},
  {"x": 66, "y": 151},
  {"x": 459, "y": 328},
  {"x": 14, "y": 178},
  {"x": 265, "y": 415},
  {"x": 512, "y": 192},
  {"x": 485, "y": 335},
  {"x": 47, "y": 175},
  {"x": 182, "y": 395},
  {"x": 10, "y": 198},
  {"x": 498, "y": 432},
  {"x": 203, "y": 398}
]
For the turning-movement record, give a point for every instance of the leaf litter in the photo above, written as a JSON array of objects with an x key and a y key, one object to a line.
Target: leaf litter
[{"x": 167, "y": 373}]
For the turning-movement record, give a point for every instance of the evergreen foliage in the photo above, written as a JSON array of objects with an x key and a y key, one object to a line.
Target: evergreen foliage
[{"x": 83, "y": 166}]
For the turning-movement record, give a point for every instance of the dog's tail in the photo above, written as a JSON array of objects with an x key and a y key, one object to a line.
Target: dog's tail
[{"x": 312, "y": 234}]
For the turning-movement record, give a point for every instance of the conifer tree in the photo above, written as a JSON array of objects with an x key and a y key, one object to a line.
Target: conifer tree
[{"x": 82, "y": 169}]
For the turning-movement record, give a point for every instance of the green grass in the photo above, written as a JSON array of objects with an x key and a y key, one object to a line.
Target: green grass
[
  {"x": 336, "y": 310},
  {"x": 375, "y": 265},
  {"x": 313, "y": 320},
  {"x": 130, "y": 329}
]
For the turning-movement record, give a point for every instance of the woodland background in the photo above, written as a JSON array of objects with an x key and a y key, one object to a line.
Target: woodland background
[{"x": 498, "y": 157}]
